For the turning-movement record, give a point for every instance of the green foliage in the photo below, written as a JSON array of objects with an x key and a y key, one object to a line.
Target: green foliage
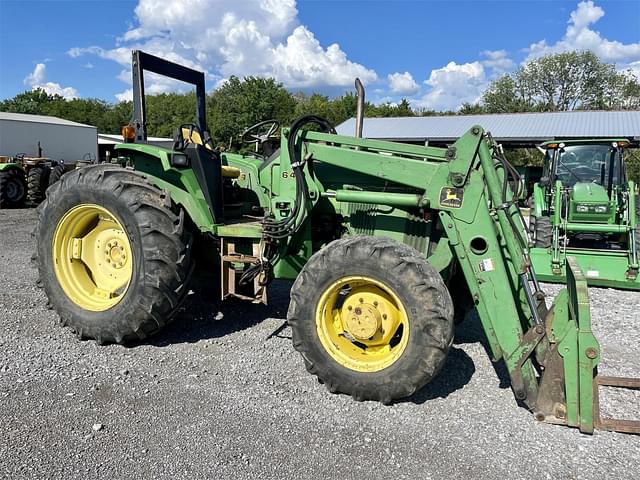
[
  {"x": 239, "y": 104},
  {"x": 167, "y": 111},
  {"x": 561, "y": 82},
  {"x": 632, "y": 160},
  {"x": 35, "y": 102},
  {"x": 471, "y": 109},
  {"x": 524, "y": 156}
]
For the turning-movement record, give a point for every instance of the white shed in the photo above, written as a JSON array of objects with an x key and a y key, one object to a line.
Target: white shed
[{"x": 59, "y": 139}]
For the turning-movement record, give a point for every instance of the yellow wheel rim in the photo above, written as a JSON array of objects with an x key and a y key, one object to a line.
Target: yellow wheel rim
[
  {"x": 362, "y": 324},
  {"x": 92, "y": 257}
]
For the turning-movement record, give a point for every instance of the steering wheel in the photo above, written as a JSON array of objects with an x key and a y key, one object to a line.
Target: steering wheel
[{"x": 260, "y": 132}]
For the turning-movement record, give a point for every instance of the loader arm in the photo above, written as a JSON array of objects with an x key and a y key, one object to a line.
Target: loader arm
[{"x": 466, "y": 187}]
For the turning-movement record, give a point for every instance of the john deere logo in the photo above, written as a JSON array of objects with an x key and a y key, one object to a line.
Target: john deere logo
[{"x": 451, "y": 197}]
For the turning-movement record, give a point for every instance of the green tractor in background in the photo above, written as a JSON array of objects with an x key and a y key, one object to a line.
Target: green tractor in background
[
  {"x": 585, "y": 206},
  {"x": 24, "y": 180}
]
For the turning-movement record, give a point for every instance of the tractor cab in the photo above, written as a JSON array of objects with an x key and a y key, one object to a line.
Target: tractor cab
[
  {"x": 589, "y": 174},
  {"x": 579, "y": 161},
  {"x": 585, "y": 204}
]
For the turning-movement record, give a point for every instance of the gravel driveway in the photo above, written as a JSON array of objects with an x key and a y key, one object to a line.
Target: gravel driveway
[{"x": 216, "y": 396}]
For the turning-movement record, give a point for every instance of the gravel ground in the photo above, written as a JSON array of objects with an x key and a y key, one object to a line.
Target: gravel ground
[{"x": 215, "y": 397}]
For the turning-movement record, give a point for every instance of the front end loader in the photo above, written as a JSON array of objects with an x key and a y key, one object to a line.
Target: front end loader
[
  {"x": 585, "y": 206},
  {"x": 385, "y": 242}
]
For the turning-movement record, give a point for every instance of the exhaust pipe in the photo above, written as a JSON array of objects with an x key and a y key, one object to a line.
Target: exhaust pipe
[{"x": 359, "y": 107}]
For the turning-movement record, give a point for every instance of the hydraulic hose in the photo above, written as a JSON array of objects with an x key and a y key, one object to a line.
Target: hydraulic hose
[{"x": 276, "y": 230}]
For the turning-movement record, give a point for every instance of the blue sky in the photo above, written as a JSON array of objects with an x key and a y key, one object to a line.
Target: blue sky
[{"x": 436, "y": 53}]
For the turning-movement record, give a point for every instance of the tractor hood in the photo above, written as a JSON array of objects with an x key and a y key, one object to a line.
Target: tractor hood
[
  {"x": 590, "y": 203},
  {"x": 589, "y": 193}
]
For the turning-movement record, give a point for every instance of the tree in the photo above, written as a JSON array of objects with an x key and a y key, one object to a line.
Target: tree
[
  {"x": 471, "y": 109},
  {"x": 167, "y": 111},
  {"x": 402, "y": 109},
  {"x": 35, "y": 102},
  {"x": 561, "y": 82},
  {"x": 238, "y": 104}
]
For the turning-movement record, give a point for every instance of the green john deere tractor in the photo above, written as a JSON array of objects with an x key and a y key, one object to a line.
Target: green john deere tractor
[
  {"x": 384, "y": 241},
  {"x": 586, "y": 207}
]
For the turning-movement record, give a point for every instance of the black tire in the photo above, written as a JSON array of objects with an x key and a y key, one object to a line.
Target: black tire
[
  {"x": 37, "y": 183},
  {"x": 532, "y": 228},
  {"x": 56, "y": 174},
  {"x": 543, "y": 232},
  {"x": 160, "y": 243},
  {"x": 413, "y": 280},
  {"x": 13, "y": 188}
]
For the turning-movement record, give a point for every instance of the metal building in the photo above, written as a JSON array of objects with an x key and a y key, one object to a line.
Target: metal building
[
  {"x": 59, "y": 139},
  {"x": 515, "y": 130},
  {"x": 107, "y": 142}
]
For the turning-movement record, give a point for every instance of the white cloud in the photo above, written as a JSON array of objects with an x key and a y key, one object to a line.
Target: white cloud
[
  {"x": 37, "y": 79},
  {"x": 453, "y": 85},
  {"x": 231, "y": 37},
  {"x": 37, "y": 76},
  {"x": 125, "y": 96},
  {"x": 302, "y": 61},
  {"x": 634, "y": 68},
  {"x": 402, "y": 84},
  {"x": 579, "y": 36},
  {"x": 497, "y": 60}
]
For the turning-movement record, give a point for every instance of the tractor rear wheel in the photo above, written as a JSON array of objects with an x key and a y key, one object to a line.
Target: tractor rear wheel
[
  {"x": 56, "y": 174},
  {"x": 37, "y": 183},
  {"x": 113, "y": 254},
  {"x": 371, "y": 318},
  {"x": 13, "y": 188},
  {"x": 543, "y": 232}
]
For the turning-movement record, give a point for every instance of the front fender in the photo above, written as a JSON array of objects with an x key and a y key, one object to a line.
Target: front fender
[
  {"x": 180, "y": 183},
  {"x": 11, "y": 165}
]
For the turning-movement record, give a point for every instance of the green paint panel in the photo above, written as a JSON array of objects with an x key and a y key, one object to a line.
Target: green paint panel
[
  {"x": 8, "y": 166},
  {"x": 601, "y": 268}
]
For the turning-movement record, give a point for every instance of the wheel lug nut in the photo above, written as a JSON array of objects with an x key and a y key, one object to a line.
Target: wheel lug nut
[
  {"x": 349, "y": 307},
  {"x": 384, "y": 316},
  {"x": 375, "y": 304},
  {"x": 361, "y": 300}
]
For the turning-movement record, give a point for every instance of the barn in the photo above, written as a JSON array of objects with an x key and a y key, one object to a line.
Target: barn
[{"x": 44, "y": 136}]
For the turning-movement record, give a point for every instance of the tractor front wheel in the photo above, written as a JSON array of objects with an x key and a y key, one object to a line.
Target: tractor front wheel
[
  {"x": 13, "y": 188},
  {"x": 371, "y": 318},
  {"x": 543, "y": 232},
  {"x": 113, "y": 254}
]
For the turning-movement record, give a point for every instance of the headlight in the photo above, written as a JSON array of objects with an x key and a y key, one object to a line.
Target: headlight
[
  {"x": 582, "y": 208},
  {"x": 601, "y": 209}
]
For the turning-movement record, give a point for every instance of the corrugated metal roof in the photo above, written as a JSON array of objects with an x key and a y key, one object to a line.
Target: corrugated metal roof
[
  {"x": 108, "y": 139},
  {"x": 23, "y": 117},
  {"x": 516, "y": 127}
]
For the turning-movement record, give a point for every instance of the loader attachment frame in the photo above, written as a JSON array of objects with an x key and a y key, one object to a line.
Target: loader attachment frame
[{"x": 551, "y": 354}]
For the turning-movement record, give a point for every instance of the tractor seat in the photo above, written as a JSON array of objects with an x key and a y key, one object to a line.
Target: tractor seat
[{"x": 184, "y": 136}]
